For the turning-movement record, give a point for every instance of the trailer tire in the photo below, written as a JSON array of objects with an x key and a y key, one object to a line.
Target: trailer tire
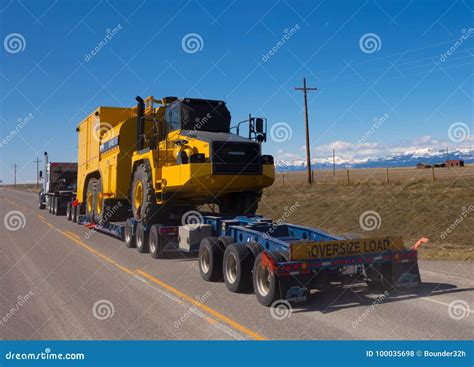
[
  {"x": 237, "y": 268},
  {"x": 266, "y": 285},
  {"x": 48, "y": 204},
  {"x": 255, "y": 248},
  {"x": 211, "y": 254},
  {"x": 156, "y": 250},
  {"x": 141, "y": 236},
  {"x": 143, "y": 195},
  {"x": 130, "y": 240},
  {"x": 99, "y": 205},
  {"x": 226, "y": 241}
]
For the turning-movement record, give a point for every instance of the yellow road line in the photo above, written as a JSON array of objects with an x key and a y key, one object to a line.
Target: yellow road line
[{"x": 203, "y": 307}]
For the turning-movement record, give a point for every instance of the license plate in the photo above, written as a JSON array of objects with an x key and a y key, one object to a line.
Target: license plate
[{"x": 347, "y": 247}]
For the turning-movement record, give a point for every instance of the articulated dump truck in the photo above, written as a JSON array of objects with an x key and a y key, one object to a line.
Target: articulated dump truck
[{"x": 162, "y": 158}]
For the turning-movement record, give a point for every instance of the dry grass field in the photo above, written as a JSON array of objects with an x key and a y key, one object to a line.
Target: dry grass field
[{"x": 411, "y": 204}]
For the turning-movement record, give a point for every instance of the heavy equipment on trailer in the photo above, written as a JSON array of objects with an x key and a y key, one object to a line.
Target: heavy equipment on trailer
[
  {"x": 162, "y": 158},
  {"x": 58, "y": 185}
]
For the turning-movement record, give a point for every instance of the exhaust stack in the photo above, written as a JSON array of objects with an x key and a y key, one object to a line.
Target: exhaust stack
[{"x": 140, "y": 122}]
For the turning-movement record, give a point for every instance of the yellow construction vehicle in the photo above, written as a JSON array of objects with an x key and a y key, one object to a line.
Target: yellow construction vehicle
[{"x": 162, "y": 158}]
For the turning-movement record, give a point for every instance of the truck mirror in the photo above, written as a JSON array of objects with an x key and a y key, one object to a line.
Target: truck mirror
[
  {"x": 259, "y": 125},
  {"x": 40, "y": 174}
]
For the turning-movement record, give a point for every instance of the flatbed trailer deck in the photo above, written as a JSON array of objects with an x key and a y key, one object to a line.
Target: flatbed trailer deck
[{"x": 279, "y": 261}]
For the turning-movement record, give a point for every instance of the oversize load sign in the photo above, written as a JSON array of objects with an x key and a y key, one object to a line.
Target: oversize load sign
[{"x": 349, "y": 247}]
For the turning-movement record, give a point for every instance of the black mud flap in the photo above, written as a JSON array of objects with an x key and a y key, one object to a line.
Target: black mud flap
[{"x": 405, "y": 275}]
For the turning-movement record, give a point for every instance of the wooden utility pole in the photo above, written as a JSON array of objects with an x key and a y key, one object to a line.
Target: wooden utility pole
[
  {"x": 308, "y": 152},
  {"x": 37, "y": 171},
  {"x": 14, "y": 180}
]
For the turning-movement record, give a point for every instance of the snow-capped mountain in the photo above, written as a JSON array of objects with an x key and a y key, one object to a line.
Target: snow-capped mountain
[{"x": 406, "y": 159}]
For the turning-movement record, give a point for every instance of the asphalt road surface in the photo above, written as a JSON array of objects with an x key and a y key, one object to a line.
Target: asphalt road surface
[{"x": 58, "y": 280}]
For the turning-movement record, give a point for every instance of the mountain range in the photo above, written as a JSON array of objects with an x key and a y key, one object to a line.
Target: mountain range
[{"x": 406, "y": 159}]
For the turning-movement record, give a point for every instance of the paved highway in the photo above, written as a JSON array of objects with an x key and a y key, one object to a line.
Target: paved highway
[{"x": 60, "y": 281}]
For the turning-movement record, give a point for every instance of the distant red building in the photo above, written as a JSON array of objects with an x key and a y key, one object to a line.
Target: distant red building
[{"x": 454, "y": 163}]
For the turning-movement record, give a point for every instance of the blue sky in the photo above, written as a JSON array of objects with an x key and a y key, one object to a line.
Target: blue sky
[{"x": 50, "y": 80}]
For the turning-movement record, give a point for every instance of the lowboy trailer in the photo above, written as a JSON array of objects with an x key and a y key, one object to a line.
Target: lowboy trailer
[{"x": 277, "y": 261}]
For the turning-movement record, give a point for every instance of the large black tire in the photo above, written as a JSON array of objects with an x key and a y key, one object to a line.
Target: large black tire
[
  {"x": 255, "y": 248},
  {"x": 143, "y": 195},
  {"x": 237, "y": 268},
  {"x": 155, "y": 245},
  {"x": 49, "y": 205},
  {"x": 239, "y": 203},
  {"x": 266, "y": 285},
  {"x": 130, "y": 239},
  {"x": 226, "y": 240},
  {"x": 141, "y": 236},
  {"x": 90, "y": 199},
  {"x": 211, "y": 254}
]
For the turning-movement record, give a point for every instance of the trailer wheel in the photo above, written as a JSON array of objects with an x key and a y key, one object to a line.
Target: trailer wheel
[
  {"x": 130, "y": 240},
  {"x": 226, "y": 241},
  {"x": 266, "y": 285},
  {"x": 156, "y": 249},
  {"x": 142, "y": 238},
  {"x": 211, "y": 254},
  {"x": 255, "y": 248},
  {"x": 237, "y": 268}
]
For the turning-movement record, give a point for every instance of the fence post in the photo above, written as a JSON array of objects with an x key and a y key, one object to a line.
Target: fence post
[
  {"x": 312, "y": 176},
  {"x": 283, "y": 176},
  {"x": 433, "y": 173},
  {"x": 386, "y": 176},
  {"x": 348, "y": 178}
]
